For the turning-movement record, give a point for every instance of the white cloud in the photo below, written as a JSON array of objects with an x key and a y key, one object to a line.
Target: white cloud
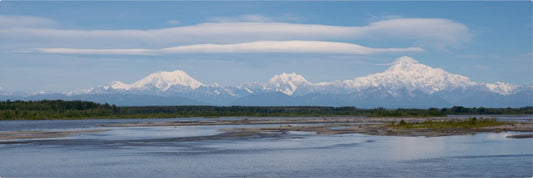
[
  {"x": 248, "y": 47},
  {"x": 206, "y": 33},
  {"x": 25, "y": 21},
  {"x": 242, "y": 18},
  {"x": 286, "y": 17},
  {"x": 95, "y": 51},
  {"x": 435, "y": 32},
  {"x": 431, "y": 32}
]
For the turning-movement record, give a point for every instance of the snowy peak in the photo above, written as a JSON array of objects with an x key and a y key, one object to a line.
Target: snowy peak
[
  {"x": 408, "y": 73},
  {"x": 405, "y": 60},
  {"x": 285, "y": 78},
  {"x": 407, "y": 64},
  {"x": 118, "y": 85},
  {"x": 286, "y": 83},
  {"x": 501, "y": 88},
  {"x": 404, "y": 75},
  {"x": 161, "y": 81},
  {"x": 164, "y": 80}
]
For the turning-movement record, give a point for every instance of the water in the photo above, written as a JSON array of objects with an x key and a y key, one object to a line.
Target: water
[{"x": 203, "y": 151}]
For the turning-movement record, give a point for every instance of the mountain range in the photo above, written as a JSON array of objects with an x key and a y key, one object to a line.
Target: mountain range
[{"x": 406, "y": 83}]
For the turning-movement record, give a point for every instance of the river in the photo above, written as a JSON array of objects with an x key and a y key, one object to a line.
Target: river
[{"x": 203, "y": 151}]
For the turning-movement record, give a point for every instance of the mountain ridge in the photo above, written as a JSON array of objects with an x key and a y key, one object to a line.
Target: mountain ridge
[
  {"x": 405, "y": 72},
  {"x": 405, "y": 83},
  {"x": 161, "y": 81}
]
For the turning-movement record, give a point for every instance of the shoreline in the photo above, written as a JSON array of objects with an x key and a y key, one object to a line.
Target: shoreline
[
  {"x": 330, "y": 126},
  {"x": 452, "y": 116},
  {"x": 32, "y": 134},
  {"x": 282, "y": 120},
  {"x": 320, "y": 126},
  {"x": 384, "y": 129}
]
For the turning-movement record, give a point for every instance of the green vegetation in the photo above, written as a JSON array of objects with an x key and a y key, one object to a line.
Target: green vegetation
[
  {"x": 460, "y": 110},
  {"x": 58, "y": 109},
  {"x": 436, "y": 125}
]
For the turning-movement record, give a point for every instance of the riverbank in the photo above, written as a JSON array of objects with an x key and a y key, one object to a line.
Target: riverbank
[
  {"x": 33, "y": 134},
  {"x": 264, "y": 127},
  {"x": 370, "y": 126}
]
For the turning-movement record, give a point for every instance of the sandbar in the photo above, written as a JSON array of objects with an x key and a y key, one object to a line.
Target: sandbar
[
  {"x": 323, "y": 126},
  {"x": 11, "y": 135}
]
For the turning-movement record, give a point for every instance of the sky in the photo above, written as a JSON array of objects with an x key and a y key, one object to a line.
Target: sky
[{"x": 64, "y": 46}]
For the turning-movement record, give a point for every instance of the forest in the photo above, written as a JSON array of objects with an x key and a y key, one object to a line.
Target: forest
[{"x": 59, "y": 109}]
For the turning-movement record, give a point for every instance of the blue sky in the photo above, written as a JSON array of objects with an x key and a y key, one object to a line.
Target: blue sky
[{"x": 62, "y": 46}]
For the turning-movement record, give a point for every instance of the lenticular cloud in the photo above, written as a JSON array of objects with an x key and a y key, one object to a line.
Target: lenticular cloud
[{"x": 249, "y": 47}]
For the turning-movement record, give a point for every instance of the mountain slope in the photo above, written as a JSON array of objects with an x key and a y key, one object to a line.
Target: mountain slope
[
  {"x": 161, "y": 82},
  {"x": 406, "y": 83},
  {"x": 409, "y": 74}
]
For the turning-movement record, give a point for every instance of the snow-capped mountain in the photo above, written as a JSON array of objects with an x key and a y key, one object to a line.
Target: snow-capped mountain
[
  {"x": 501, "y": 88},
  {"x": 289, "y": 84},
  {"x": 286, "y": 83},
  {"x": 406, "y": 83},
  {"x": 160, "y": 82},
  {"x": 407, "y": 73}
]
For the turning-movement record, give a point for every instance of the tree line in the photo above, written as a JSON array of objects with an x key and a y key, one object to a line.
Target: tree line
[{"x": 59, "y": 109}]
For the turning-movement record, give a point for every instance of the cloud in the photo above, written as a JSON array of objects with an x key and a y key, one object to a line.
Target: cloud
[
  {"x": 435, "y": 32},
  {"x": 242, "y": 18},
  {"x": 287, "y": 17},
  {"x": 95, "y": 51},
  {"x": 206, "y": 32},
  {"x": 432, "y": 32},
  {"x": 25, "y": 21},
  {"x": 248, "y": 47}
]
